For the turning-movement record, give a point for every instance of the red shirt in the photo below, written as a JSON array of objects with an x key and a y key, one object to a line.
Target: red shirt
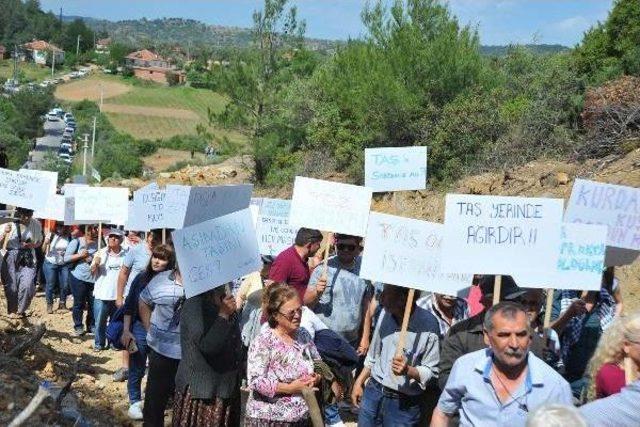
[
  {"x": 609, "y": 380},
  {"x": 473, "y": 301},
  {"x": 290, "y": 268}
]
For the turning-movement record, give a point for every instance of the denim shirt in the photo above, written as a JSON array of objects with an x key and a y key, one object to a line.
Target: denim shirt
[
  {"x": 81, "y": 270},
  {"x": 470, "y": 393}
]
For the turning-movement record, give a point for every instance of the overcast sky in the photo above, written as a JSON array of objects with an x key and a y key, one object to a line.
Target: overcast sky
[{"x": 499, "y": 21}]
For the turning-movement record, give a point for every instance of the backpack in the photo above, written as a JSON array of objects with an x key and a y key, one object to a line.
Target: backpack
[{"x": 115, "y": 329}]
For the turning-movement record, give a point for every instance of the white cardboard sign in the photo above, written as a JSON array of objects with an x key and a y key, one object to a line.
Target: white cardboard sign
[
  {"x": 330, "y": 206},
  {"x": 216, "y": 251},
  {"x": 51, "y": 177},
  {"x": 134, "y": 222},
  {"x": 273, "y": 230},
  {"x": 395, "y": 168},
  {"x": 206, "y": 203},
  {"x": 54, "y": 209},
  {"x": 501, "y": 235},
  {"x": 177, "y": 200},
  {"x": 149, "y": 208},
  {"x": 24, "y": 190},
  {"x": 407, "y": 252},
  {"x": 70, "y": 213},
  {"x": 102, "y": 204},
  {"x": 614, "y": 205},
  {"x": 580, "y": 260}
]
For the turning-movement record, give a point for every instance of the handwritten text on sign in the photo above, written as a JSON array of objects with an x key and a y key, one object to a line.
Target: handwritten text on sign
[
  {"x": 176, "y": 203},
  {"x": 150, "y": 206},
  {"x": 501, "y": 235},
  {"x": 217, "y": 251},
  {"x": 395, "y": 168},
  {"x": 102, "y": 204},
  {"x": 23, "y": 190},
  {"x": 273, "y": 229},
  {"x": 330, "y": 206},
  {"x": 614, "y": 205},
  {"x": 407, "y": 252},
  {"x": 54, "y": 209}
]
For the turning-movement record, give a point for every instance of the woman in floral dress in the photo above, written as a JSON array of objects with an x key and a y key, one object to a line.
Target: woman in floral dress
[{"x": 280, "y": 364}]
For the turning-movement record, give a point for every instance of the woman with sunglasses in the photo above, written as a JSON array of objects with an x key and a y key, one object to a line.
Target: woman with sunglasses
[
  {"x": 160, "y": 306},
  {"x": 207, "y": 381},
  {"x": 134, "y": 335},
  {"x": 280, "y": 364}
]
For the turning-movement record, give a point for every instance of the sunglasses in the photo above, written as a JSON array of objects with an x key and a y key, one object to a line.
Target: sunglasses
[
  {"x": 346, "y": 247},
  {"x": 291, "y": 314}
]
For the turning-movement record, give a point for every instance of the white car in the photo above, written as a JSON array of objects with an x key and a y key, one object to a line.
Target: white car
[
  {"x": 65, "y": 157},
  {"x": 52, "y": 117}
]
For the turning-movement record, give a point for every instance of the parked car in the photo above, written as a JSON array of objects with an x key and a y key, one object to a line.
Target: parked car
[
  {"x": 69, "y": 130},
  {"x": 67, "y": 146},
  {"x": 67, "y": 117},
  {"x": 52, "y": 117},
  {"x": 71, "y": 124}
]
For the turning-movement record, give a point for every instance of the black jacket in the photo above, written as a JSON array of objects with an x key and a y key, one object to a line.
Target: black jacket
[{"x": 211, "y": 351}]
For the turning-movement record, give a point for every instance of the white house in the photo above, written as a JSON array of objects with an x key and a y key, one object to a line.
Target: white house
[{"x": 38, "y": 50}]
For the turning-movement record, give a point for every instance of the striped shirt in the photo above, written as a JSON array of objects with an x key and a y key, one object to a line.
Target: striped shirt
[
  {"x": 618, "y": 410},
  {"x": 165, "y": 297}
]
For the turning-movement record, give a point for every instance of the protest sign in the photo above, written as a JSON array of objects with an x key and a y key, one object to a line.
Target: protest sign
[
  {"x": 395, "y": 168},
  {"x": 407, "y": 252},
  {"x": 134, "y": 221},
  {"x": 216, "y": 251},
  {"x": 206, "y": 203},
  {"x": 501, "y": 235},
  {"x": 69, "y": 189},
  {"x": 54, "y": 209},
  {"x": 614, "y": 205},
  {"x": 254, "y": 205},
  {"x": 580, "y": 260},
  {"x": 51, "y": 177},
  {"x": 176, "y": 202},
  {"x": 70, "y": 213},
  {"x": 102, "y": 204},
  {"x": 149, "y": 207},
  {"x": 330, "y": 206},
  {"x": 273, "y": 230},
  {"x": 24, "y": 190}
]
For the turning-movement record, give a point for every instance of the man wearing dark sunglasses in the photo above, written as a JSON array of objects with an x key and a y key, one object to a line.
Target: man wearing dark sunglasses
[{"x": 340, "y": 299}]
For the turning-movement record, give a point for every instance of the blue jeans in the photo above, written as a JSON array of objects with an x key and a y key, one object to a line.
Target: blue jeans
[
  {"x": 82, "y": 299},
  {"x": 137, "y": 363},
  {"x": 102, "y": 310},
  {"x": 332, "y": 414},
  {"x": 380, "y": 408},
  {"x": 56, "y": 276}
]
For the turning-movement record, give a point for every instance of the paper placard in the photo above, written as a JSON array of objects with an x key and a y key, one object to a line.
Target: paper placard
[
  {"x": 254, "y": 205},
  {"x": 217, "y": 251},
  {"x": 70, "y": 212},
  {"x": 133, "y": 222},
  {"x": 330, "y": 206},
  {"x": 69, "y": 190},
  {"x": 407, "y": 252},
  {"x": 149, "y": 207},
  {"x": 51, "y": 177},
  {"x": 54, "y": 209},
  {"x": 580, "y": 261},
  {"x": 23, "y": 190},
  {"x": 614, "y": 205},
  {"x": 273, "y": 230},
  {"x": 395, "y": 168},
  {"x": 501, "y": 235},
  {"x": 176, "y": 200},
  {"x": 206, "y": 203},
  {"x": 102, "y": 204}
]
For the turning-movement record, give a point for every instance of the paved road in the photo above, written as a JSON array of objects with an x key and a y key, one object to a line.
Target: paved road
[{"x": 49, "y": 142}]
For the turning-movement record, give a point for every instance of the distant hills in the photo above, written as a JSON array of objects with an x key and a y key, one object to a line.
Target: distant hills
[{"x": 189, "y": 32}]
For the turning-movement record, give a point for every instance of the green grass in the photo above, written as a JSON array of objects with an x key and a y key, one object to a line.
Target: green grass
[{"x": 31, "y": 72}]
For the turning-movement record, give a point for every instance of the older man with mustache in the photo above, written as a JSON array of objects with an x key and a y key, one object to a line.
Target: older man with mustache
[{"x": 500, "y": 385}]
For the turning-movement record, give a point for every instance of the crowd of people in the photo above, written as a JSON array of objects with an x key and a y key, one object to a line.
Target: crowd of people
[{"x": 303, "y": 342}]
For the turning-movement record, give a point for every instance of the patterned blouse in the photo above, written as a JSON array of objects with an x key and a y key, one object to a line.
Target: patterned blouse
[{"x": 272, "y": 361}]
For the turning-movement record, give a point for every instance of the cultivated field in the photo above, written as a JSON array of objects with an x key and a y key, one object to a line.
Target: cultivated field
[
  {"x": 31, "y": 71},
  {"x": 148, "y": 111}
]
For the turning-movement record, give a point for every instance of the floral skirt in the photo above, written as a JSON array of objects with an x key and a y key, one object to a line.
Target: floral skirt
[
  {"x": 256, "y": 422},
  {"x": 216, "y": 412}
]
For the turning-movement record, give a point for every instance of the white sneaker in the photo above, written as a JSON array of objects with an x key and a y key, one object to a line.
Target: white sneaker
[
  {"x": 135, "y": 411},
  {"x": 338, "y": 424}
]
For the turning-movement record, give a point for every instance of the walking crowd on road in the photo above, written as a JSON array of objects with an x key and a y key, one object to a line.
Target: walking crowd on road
[{"x": 304, "y": 343}]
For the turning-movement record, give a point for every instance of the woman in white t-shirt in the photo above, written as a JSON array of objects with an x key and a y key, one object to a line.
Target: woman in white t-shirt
[
  {"x": 56, "y": 271},
  {"x": 106, "y": 269}
]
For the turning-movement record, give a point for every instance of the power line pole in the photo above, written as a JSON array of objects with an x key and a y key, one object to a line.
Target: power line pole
[
  {"x": 53, "y": 61},
  {"x": 84, "y": 162},
  {"x": 93, "y": 139},
  {"x": 78, "y": 47}
]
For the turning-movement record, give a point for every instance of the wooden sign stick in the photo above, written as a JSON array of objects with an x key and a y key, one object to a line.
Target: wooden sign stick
[
  {"x": 325, "y": 268},
  {"x": 164, "y": 236},
  {"x": 547, "y": 312},
  {"x": 405, "y": 323},
  {"x": 99, "y": 235},
  {"x": 630, "y": 372},
  {"x": 497, "y": 287}
]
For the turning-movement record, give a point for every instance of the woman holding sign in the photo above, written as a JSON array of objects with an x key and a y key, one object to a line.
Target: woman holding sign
[
  {"x": 19, "y": 267},
  {"x": 56, "y": 271}
]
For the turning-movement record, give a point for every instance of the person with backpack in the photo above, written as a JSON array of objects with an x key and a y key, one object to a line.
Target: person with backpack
[
  {"x": 19, "y": 266},
  {"x": 106, "y": 268},
  {"x": 80, "y": 254},
  {"x": 134, "y": 335},
  {"x": 56, "y": 271}
]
